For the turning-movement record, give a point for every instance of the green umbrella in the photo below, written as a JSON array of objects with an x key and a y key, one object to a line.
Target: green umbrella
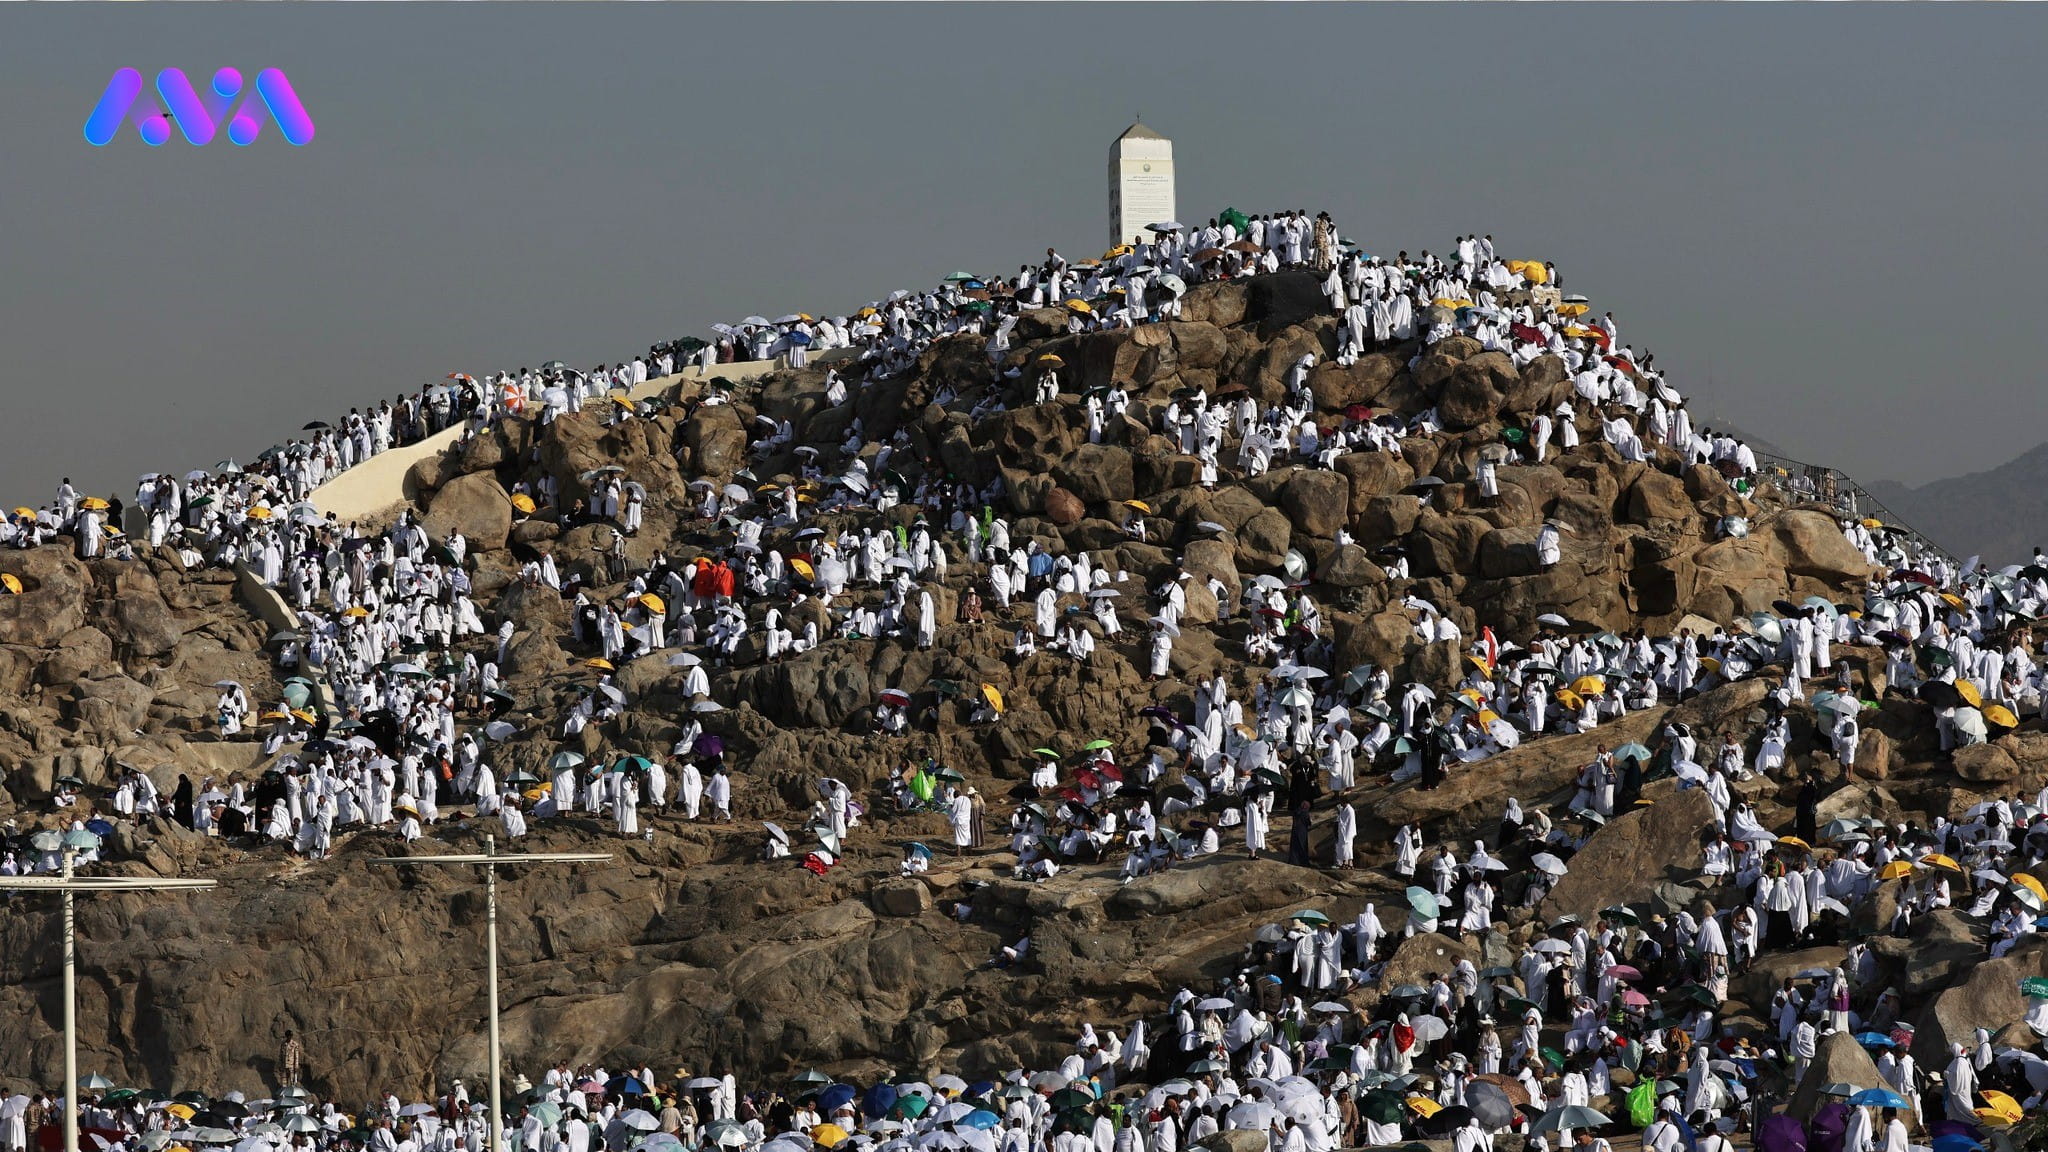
[
  {"x": 811, "y": 1077},
  {"x": 1072, "y": 1099},
  {"x": 912, "y": 1106},
  {"x": 1045, "y": 752},
  {"x": 2034, "y": 986},
  {"x": 1310, "y": 916},
  {"x": 1098, "y": 745},
  {"x": 632, "y": 764},
  {"x": 1382, "y": 1107}
]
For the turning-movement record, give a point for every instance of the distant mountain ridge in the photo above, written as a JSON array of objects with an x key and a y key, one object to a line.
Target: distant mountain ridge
[{"x": 1999, "y": 514}]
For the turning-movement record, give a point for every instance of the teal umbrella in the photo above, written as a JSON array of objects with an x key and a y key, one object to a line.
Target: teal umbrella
[{"x": 1423, "y": 901}]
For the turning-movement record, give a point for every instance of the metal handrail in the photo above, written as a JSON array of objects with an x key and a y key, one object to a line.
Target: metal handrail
[{"x": 1833, "y": 486}]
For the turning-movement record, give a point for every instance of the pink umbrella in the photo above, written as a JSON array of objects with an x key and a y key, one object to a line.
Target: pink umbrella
[
  {"x": 1624, "y": 972},
  {"x": 590, "y": 1086},
  {"x": 1635, "y": 999}
]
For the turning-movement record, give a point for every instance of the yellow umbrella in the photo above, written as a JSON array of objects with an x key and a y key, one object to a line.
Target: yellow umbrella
[
  {"x": 1424, "y": 1106},
  {"x": 275, "y": 716},
  {"x": 1710, "y": 664},
  {"x": 1079, "y": 306},
  {"x": 1795, "y": 842},
  {"x": 599, "y": 662},
  {"x": 2000, "y": 1105},
  {"x": 259, "y": 513},
  {"x": 1895, "y": 869},
  {"x": 1535, "y": 272},
  {"x": 2000, "y": 715},
  {"x": 1589, "y": 685},
  {"x": 1571, "y": 309},
  {"x": 1939, "y": 861},
  {"x": 994, "y": 697},
  {"x": 803, "y": 568},
  {"x": 181, "y": 1111},
  {"x": 1485, "y": 669},
  {"x": 1051, "y": 359},
  {"x": 1488, "y": 715},
  {"x": 1570, "y": 699},
  {"x": 2022, "y": 880},
  {"x": 524, "y": 503},
  {"x": 1872, "y": 522},
  {"x": 1119, "y": 250},
  {"x": 357, "y": 612},
  {"x": 1140, "y": 505},
  {"x": 25, "y": 511},
  {"x": 828, "y": 1135},
  {"x": 1970, "y": 693},
  {"x": 1954, "y": 601},
  {"x": 653, "y": 603},
  {"x": 11, "y": 582},
  {"x": 305, "y": 715},
  {"x": 537, "y": 794},
  {"x": 94, "y": 503}
]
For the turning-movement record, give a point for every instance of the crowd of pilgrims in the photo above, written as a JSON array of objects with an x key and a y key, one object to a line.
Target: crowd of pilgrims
[{"x": 1620, "y": 1009}]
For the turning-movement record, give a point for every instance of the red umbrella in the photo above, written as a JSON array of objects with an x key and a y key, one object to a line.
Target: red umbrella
[
  {"x": 1624, "y": 972},
  {"x": 1635, "y": 999}
]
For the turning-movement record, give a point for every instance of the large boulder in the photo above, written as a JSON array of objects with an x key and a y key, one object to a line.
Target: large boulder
[
  {"x": 1473, "y": 392},
  {"x": 1317, "y": 502},
  {"x": 1811, "y": 544},
  {"x": 1097, "y": 473},
  {"x": 1985, "y": 764},
  {"x": 715, "y": 441},
  {"x": 55, "y": 589},
  {"x": 1837, "y": 1059},
  {"x": 474, "y": 505},
  {"x": 1988, "y": 996},
  {"x": 1625, "y": 861}
]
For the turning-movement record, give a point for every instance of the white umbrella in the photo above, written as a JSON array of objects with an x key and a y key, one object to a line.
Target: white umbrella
[{"x": 640, "y": 1120}]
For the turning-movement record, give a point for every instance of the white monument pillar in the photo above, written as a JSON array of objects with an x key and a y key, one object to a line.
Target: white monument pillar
[{"x": 1140, "y": 183}]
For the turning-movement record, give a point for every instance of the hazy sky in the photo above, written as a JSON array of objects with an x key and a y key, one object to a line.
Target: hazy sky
[{"x": 1823, "y": 219}]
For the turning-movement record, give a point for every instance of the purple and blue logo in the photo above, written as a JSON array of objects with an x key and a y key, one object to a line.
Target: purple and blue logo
[{"x": 200, "y": 116}]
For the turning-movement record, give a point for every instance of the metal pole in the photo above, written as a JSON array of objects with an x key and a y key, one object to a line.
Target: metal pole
[
  {"x": 70, "y": 1012},
  {"x": 491, "y": 962}
]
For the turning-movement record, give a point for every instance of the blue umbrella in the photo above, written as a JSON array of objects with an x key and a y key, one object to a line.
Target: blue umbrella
[
  {"x": 99, "y": 827},
  {"x": 1875, "y": 1040},
  {"x": 1878, "y": 1098},
  {"x": 834, "y": 1098},
  {"x": 878, "y": 1101},
  {"x": 981, "y": 1118},
  {"x": 625, "y": 1086}
]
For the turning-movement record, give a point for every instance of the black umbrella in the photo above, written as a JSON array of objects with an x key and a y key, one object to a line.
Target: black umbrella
[{"x": 1941, "y": 694}]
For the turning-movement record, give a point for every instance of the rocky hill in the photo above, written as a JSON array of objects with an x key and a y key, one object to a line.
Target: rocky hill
[
  {"x": 689, "y": 951},
  {"x": 1996, "y": 513}
]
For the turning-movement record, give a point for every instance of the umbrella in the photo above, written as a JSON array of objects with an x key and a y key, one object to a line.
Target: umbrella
[
  {"x": 2035, "y": 986},
  {"x": 725, "y": 1134},
  {"x": 1878, "y": 1098},
  {"x": 1423, "y": 901},
  {"x": 1489, "y": 1104},
  {"x": 1545, "y": 862},
  {"x": 1568, "y": 1116}
]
